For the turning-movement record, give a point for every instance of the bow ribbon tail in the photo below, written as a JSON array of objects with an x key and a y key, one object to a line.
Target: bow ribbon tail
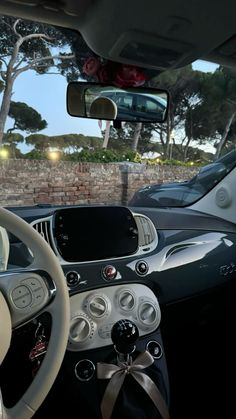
[
  {"x": 117, "y": 377},
  {"x": 151, "y": 389},
  {"x": 143, "y": 361}
]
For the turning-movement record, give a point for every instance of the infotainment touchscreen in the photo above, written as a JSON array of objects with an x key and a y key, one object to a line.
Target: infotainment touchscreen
[{"x": 95, "y": 233}]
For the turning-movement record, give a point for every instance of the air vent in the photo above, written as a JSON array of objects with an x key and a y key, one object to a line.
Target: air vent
[
  {"x": 146, "y": 229},
  {"x": 43, "y": 228}
]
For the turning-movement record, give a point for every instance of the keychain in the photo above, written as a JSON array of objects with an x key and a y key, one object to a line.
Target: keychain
[{"x": 39, "y": 349}]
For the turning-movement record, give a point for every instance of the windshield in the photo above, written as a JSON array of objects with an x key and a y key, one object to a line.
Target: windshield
[{"x": 48, "y": 157}]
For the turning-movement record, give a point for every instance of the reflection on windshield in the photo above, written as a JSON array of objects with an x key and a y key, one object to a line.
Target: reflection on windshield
[
  {"x": 211, "y": 174},
  {"x": 181, "y": 194}
]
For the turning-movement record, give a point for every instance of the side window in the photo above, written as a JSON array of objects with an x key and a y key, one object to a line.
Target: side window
[
  {"x": 141, "y": 104},
  {"x": 145, "y": 104},
  {"x": 153, "y": 106},
  {"x": 124, "y": 101},
  {"x": 111, "y": 96}
]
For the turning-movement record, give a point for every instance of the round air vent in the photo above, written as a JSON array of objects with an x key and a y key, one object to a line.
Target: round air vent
[
  {"x": 127, "y": 300},
  {"x": 148, "y": 314}
]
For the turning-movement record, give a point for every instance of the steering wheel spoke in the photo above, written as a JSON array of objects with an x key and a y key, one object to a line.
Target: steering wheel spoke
[{"x": 27, "y": 293}]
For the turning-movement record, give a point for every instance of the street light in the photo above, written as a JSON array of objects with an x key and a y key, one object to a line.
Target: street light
[
  {"x": 54, "y": 155},
  {"x": 4, "y": 154}
]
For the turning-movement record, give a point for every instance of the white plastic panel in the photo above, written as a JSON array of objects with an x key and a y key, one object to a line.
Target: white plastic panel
[{"x": 93, "y": 313}]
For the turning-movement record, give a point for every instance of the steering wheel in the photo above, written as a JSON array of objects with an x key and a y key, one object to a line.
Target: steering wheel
[{"x": 24, "y": 293}]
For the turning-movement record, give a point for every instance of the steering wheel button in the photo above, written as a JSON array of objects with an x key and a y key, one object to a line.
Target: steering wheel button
[
  {"x": 32, "y": 283},
  {"x": 21, "y": 296},
  {"x": 38, "y": 296}
]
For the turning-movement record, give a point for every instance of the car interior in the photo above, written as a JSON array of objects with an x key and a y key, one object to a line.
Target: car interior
[{"x": 118, "y": 311}]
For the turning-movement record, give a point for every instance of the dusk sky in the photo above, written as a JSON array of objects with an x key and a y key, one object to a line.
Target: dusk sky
[{"x": 47, "y": 94}]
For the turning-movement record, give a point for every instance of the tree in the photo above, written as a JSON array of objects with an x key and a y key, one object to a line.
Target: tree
[
  {"x": 10, "y": 142},
  {"x": 122, "y": 139},
  {"x": 40, "y": 142},
  {"x": 137, "y": 132},
  {"x": 184, "y": 88},
  {"x": 27, "y": 46},
  {"x": 213, "y": 119},
  {"x": 64, "y": 142},
  {"x": 25, "y": 118}
]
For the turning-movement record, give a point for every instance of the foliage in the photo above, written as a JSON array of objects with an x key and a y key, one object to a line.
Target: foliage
[
  {"x": 33, "y": 49},
  {"x": 122, "y": 139},
  {"x": 35, "y": 155},
  {"x": 217, "y": 109},
  {"x": 65, "y": 143},
  {"x": 101, "y": 156},
  {"x": 40, "y": 142},
  {"x": 25, "y": 118},
  {"x": 13, "y": 138},
  {"x": 24, "y": 46}
]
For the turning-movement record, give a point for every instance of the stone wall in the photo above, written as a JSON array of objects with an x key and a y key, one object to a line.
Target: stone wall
[{"x": 29, "y": 182}]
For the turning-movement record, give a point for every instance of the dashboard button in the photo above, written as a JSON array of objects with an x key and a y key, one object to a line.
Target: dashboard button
[
  {"x": 72, "y": 278},
  {"x": 109, "y": 272},
  {"x": 105, "y": 331},
  {"x": 84, "y": 370},
  {"x": 141, "y": 267},
  {"x": 155, "y": 349}
]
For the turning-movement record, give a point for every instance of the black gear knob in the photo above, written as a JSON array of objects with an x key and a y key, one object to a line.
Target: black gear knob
[{"x": 124, "y": 334}]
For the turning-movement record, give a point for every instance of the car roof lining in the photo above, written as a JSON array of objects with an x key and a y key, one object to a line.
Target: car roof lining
[{"x": 181, "y": 32}]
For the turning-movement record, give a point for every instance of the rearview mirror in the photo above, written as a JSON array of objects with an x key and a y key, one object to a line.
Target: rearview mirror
[{"x": 133, "y": 104}]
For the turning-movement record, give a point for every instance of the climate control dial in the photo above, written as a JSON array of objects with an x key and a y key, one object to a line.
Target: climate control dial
[
  {"x": 81, "y": 329},
  {"x": 98, "y": 306}
]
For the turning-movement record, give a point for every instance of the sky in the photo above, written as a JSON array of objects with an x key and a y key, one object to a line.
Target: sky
[{"x": 47, "y": 94}]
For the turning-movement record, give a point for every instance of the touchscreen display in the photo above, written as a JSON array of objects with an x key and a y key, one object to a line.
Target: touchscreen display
[{"x": 93, "y": 233}]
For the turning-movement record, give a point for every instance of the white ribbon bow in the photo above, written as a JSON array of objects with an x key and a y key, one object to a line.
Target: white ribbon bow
[{"x": 117, "y": 375}]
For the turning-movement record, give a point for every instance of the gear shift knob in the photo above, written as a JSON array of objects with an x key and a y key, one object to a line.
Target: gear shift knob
[{"x": 124, "y": 334}]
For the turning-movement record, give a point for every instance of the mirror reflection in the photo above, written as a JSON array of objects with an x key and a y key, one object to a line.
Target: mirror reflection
[{"x": 91, "y": 100}]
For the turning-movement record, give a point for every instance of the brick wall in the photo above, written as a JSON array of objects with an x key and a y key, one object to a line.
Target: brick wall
[{"x": 29, "y": 182}]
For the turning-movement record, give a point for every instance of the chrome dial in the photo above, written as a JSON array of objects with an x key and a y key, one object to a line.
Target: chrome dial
[
  {"x": 80, "y": 329},
  {"x": 98, "y": 305}
]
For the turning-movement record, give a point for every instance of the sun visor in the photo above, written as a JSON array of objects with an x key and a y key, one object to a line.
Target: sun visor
[{"x": 141, "y": 49}]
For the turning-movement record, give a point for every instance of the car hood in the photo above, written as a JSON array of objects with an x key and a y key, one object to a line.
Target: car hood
[{"x": 163, "y": 186}]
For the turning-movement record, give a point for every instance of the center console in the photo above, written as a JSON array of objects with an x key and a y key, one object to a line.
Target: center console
[{"x": 93, "y": 314}]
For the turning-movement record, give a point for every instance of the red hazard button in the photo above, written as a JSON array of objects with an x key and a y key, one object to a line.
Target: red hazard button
[{"x": 109, "y": 272}]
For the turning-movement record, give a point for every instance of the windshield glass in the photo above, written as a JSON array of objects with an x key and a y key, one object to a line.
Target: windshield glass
[{"x": 48, "y": 157}]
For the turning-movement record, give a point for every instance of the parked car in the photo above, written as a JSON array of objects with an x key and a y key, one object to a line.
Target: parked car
[
  {"x": 135, "y": 107},
  {"x": 181, "y": 194},
  {"x": 109, "y": 311}
]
